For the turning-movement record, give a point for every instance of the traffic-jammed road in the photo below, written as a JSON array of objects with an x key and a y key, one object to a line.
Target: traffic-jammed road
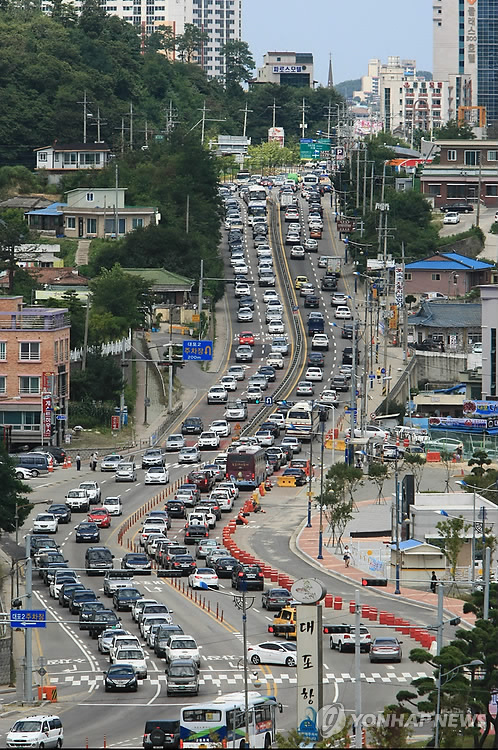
[{"x": 72, "y": 660}]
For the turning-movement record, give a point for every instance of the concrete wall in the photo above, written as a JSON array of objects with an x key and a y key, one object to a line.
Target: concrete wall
[{"x": 5, "y": 660}]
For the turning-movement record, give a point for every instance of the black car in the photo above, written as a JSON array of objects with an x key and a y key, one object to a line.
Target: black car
[
  {"x": 49, "y": 571},
  {"x": 347, "y": 355},
  {"x": 287, "y": 449},
  {"x": 100, "y": 620},
  {"x": 61, "y": 512},
  {"x": 124, "y": 599},
  {"x": 459, "y": 208},
  {"x": 316, "y": 359},
  {"x": 80, "y": 597},
  {"x": 272, "y": 427},
  {"x": 268, "y": 372},
  {"x": 246, "y": 302},
  {"x": 87, "y": 531},
  {"x": 249, "y": 575},
  {"x": 120, "y": 677},
  {"x": 86, "y": 611},
  {"x": 298, "y": 474},
  {"x": 183, "y": 564},
  {"x": 59, "y": 454},
  {"x": 328, "y": 283},
  {"x": 275, "y": 599},
  {"x": 66, "y": 591},
  {"x": 175, "y": 508},
  {"x": 224, "y": 566},
  {"x": 42, "y": 541},
  {"x": 136, "y": 561},
  {"x": 192, "y": 426},
  {"x": 194, "y": 533},
  {"x": 311, "y": 300},
  {"x": 164, "y": 632}
]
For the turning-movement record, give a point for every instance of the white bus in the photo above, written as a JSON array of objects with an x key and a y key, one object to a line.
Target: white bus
[
  {"x": 301, "y": 421},
  {"x": 256, "y": 209},
  {"x": 255, "y": 193},
  {"x": 221, "y": 722},
  {"x": 309, "y": 180}
]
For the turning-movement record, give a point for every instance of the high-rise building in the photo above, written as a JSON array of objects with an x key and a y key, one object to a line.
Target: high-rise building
[{"x": 487, "y": 57}]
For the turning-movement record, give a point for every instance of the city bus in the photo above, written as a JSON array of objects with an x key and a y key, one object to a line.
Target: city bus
[
  {"x": 301, "y": 421},
  {"x": 255, "y": 193},
  {"x": 309, "y": 180},
  {"x": 221, "y": 722},
  {"x": 246, "y": 466}
]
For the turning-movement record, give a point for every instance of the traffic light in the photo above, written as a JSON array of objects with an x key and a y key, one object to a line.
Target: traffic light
[{"x": 374, "y": 581}]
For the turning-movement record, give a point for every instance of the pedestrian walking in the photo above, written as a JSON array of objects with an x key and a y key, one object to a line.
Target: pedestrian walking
[
  {"x": 347, "y": 556},
  {"x": 78, "y": 462},
  {"x": 93, "y": 462},
  {"x": 433, "y": 581}
]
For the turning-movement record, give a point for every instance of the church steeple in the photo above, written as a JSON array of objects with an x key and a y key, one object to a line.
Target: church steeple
[{"x": 330, "y": 81}]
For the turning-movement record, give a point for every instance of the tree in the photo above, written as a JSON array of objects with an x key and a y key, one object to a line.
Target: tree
[
  {"x": 13, "y": 233},
  {"x": 337, "y": 500},
  {"x": 190, "y": 42},
  {"x": 453, "y": 131},
  {"x": 77, "y": 312},
  {"x": 452, "y": 531},
  {"x": 394, "y": 730},
  {"x": 13, "y": 494},
  {"x": 378, "y": 473},
  {"x": 239, "y": 62},
  {"x": 415, "y": 463},
  {"x": 270, "y": 155},
  {"x": 410, "y": 300},
  {"x": 448, "y": 460},
  {"x": 121, "y": 296},
  {"x": 102, "y": 380},
  {"x": 479, "y": 460}
]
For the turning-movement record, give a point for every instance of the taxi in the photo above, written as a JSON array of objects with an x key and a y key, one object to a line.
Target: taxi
[{"x": 299, "y": 281}]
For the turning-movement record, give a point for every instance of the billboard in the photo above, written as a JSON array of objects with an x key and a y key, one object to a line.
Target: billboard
[{"x": 276, "y": 135}]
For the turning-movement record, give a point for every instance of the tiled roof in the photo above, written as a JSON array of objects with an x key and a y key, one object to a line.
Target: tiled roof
[
  {"x": 449, "y": 262},
  {"x": 447, "y": 315},
  {"x": 161, "y": 276}
]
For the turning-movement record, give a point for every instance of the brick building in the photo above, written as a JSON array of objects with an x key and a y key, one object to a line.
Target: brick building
[{"x": 34, "y": 369}]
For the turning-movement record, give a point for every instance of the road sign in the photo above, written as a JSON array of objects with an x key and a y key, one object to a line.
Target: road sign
[
  {"x": 383, "y": 370},
  {"x": 28, "y": 618},
  {"x": 61, "y": 417},
  {"x": 115, "y": 423},
  {"x": 196, "y": 318},
  {"x": 268, "y": 401},
  {"x": 197, "y": 350},
  {"x": 345, "y": 225},
  {"x": 311, "y": 149},
  {"x": 371, "y": 376},
  {"x": 42, "y": 671}
]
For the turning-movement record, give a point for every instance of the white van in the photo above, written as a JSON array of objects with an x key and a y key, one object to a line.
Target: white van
[{"x": 36, "y": 731}]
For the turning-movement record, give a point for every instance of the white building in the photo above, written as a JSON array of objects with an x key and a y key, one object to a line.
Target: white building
[
  {"x": 489, "y": 301},
  {"x": 286, "y": 69}
]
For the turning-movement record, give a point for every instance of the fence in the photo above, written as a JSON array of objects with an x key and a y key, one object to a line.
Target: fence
[{"x": 112, "y": 348}]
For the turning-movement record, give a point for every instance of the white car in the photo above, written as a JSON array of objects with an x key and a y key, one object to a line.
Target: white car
[
  {"x": 189, "y": 455},
  {"x": 293, "y": 442},
  {"x": 221, "y": 427},
  {"x": 113, "y": 505},
  {"x": 343, "y": 312},
  {"x": 237, "y": 371},
  {"x": 135, "y": 657},
  {"x": 45, "y": 523},
  {"x": 174, "y": 442},
  {"x": 265, "y": 438},
  {"x": 229, "y": 382},
  {"x": 311, "y": 245},
  {"x": 275, "y": 359},
  {"x": 451, "y": 217},
  {"x": 157, "y": 475},
  {"x": 277, "y": 418},
  {"x": 123, "y": 641},
  {"x": 230, "y": 486},
  {"x": 304, "y": 388},
  {"x": 93, "y": 491},
  {"x": 254, "y": 394},
  {"x": 241, "y": 268},
  {"x": 208, "y": 439},
  {"x": 329, "y": 397},
  {"x": 297, "y": 253},
  {"x": 339, "y": 299},
  {"x": 242, "y": 289},
  {"x": 320, "y": 341},
  {"x": 204, "y": 512},
  {"x": 314, "y": 374},
  {"x": 275, "y": 326},
  {"x": 273, "y": 652},
  {"x": 182, "y": 647},
  {"x": 224, "y": 497},
  {"x": 236, "y": 411},
  {"x": 371, "y": 431},
  {"x": 203, "y": 576},
  {"x": 270, "y": 294},
  {"x": 22, "y": 473},
  {"x": 217, "y": 395},
  {"x": 245, "y": 315}
]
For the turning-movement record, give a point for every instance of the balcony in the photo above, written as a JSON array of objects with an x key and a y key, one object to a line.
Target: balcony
[{"x": 34, "y": 319}]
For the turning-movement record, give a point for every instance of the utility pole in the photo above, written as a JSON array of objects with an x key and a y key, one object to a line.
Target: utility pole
[
  {"x": 274, "y": 108},
  {"x": 245, "y": 111},
  {"x": 28, "y": 632},
  {"x": 85, "y": 104},
  {"x": 358, "y": 176},
  {"x": 364, "y": 206},
  {"x": 404, "y": 310},
  {"x": 203, "y": 127},
  {"x": 116, "y": 198},
  {"x": 303, "y": 125},
  {"x": 201, "y": 290},
  {"x": 329, "y": 109},
  {"x": 479, "y": 184},
  {"x": 357, "y": 670},
  {"x": 122, "y": 396},
  {"x": 85, "y": 334},
  {"x": 131, "y": 125}
]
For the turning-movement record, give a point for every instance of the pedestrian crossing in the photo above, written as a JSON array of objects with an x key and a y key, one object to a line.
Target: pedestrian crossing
[{"x": 208, "y": 678}]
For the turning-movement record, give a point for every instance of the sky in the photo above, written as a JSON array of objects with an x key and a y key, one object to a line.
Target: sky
[{"x": 353, "y": 31}]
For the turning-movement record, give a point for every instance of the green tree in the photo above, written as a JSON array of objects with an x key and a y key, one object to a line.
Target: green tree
[
  {"x": 120, "y": 295},
  {"x": 13, "y": 232},
  {"x": 415, "y": 464},
  {"x": 270, "y": 155},
  {"x": 25, "y": 284},
  {"x": 189, "y": 43},
  {"x": 341, "y": 482},
  {"x": 394, "y": 730},
  {"x": 239, "y": 62},
  {"x": 452, "y": 532},
  {"x": 77, "y": 312},
  {"x": 451, "y": 130},
  {"x": 479, "y": 460},
  {"x": 102, "y": 380},
  {"x": 410, "y": 300},
  {"x": 378, "y": 473},
  {"x": 13, "y": 495}
]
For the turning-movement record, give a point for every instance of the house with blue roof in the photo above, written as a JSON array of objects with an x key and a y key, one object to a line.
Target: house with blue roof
[{"x": 450, "y": 274}]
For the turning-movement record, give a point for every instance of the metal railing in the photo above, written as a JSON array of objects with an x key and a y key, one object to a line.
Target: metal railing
[{"x": 13, "y": 321}]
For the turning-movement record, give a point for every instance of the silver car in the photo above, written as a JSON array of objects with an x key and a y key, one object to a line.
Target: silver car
[
  {"x": 125, "y": 472},
  {"x": 110, "y": 463},
  {"x": 174, "y": 442},
  {"x": 189, "y": 455}
]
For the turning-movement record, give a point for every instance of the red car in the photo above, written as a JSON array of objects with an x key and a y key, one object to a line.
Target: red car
[
  {"x": 246, "y": 337},
  {"x": 101, "y": 517}
]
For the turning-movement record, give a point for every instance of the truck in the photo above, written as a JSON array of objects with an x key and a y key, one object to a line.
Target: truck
[
  {"x": 316, "y": 324},
  {"x": 286, "y": 200},
  {"x": 284, "y": 623},
  {"x": 334, "y": 265}
]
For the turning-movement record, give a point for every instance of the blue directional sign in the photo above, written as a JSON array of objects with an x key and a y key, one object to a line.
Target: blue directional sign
[
  {"x": 197, "y": 350},
  {"x": 28, "y": 618},
  {"x": 268, "y": 401}
]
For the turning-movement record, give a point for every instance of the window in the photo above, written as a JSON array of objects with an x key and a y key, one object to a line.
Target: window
[
  {"x": 3, "y": 384},
  {"x": 492, "y": 190},
  {"x": 29, "y": 384},
  {"x": 56, "y": 351},
  {"x": 91, "y": 226},
  {"x": 42, "y": 156},
  {"x": 136, "y": 223},
  {"x": 492, "y": 155},
  {"x": 71, "y": 222},
  {"x": 3, "y": 351},
  {"x": 29, "y": 350},
  {"x": 89, "y": 197},
  {"x": 434, "y": 190},
  {"x": 66, "y": 349},
  {"x": 436, "y": 277},
  {"x": 408, "y": 276},
  {"x": 452, "y": 154},
  {"x": 471, "y": 158}
]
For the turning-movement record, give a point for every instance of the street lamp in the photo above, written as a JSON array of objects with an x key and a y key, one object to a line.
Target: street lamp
[{"x": 474, "y": 663}]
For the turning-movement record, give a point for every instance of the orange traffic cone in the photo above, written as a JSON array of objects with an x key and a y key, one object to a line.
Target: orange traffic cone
[
  {"x": 64, "y": 465},
  {"x": 69, "y": 462},
  {"x": 50, "y": 465}
]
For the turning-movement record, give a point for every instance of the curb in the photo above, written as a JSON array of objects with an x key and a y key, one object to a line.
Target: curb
[{"x": 294, "y": 547}]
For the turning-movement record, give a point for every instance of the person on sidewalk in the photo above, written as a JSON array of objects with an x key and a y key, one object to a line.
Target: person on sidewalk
[
  {"x": 347, "y": 556},
  {"x": 78, "y": 462},
  {"x": 93, "y": 462},
  {"x": 433, "y": 581}
]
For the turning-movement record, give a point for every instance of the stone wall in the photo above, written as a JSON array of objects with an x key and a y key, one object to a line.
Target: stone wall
[{"x": 5, "y": 660}]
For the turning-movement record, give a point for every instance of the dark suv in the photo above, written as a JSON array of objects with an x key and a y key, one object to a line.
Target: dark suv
[
  {"x": 98, "y": 560},
  {"x": 250, "y": 575},
  {"x": 203, "y": 480},
  {"x": 195, "y": 533},
  {"x": 459, "y": 208},
  {"x": 162, "y": 733},
  {"x": 192, "y": 426}
]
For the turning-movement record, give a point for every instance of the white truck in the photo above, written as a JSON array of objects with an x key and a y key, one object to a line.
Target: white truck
[
  {"x": 334, "y": 265},
  {"x": 78, "y": 499},
  {"x": 286, "y": 200}
]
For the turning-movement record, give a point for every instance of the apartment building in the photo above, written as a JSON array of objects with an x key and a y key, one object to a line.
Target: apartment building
[{"x": 34, "y": 369}]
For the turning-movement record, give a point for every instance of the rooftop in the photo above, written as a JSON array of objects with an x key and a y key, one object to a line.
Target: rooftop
[
  {"x": 75, "y": 147},
  {"x": 447, "y": 314},
  {"x": 449, "y": 262},
  {"x": 161, "y": 277}
]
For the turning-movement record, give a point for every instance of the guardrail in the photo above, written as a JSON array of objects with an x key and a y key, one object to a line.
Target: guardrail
[{"x": 283, "y": 389}]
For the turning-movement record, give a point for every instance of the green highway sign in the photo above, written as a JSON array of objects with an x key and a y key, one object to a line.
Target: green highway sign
[{"x": 313, "y": 149}]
